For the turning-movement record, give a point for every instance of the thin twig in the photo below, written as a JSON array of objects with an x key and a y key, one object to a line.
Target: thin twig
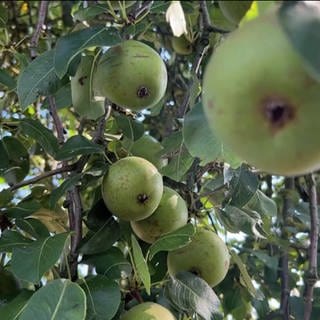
[
  {"x": 311, "y": 276},
  {"x": 42, "y": 176},
  {"x": 284, "y": 260},
  {"x": 41, "y": 20}
]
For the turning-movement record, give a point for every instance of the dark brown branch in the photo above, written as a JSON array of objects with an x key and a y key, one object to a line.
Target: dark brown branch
[
  {"x": 42, "y": 176},
  {"x": 56, "y": 119},
  {"x": 75, "y": 221},
  {"x": 311, "y": 276},
  {"x": 41, "y": 19},
  {"x": 284, "y": 259}
]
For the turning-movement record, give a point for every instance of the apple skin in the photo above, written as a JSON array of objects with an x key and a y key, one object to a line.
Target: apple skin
[
  {"x": 181, "y": 45},
  {"x": 234, "y": 11},
  {"x": 131, "y": 75},
  {"x": 148, "y": 148},
  {"x": 81, "y": 91},
  {"x": 132, "y": 188},
  {"x": 148, "y": 311},
  {"x": 260, "y": 100},
  {"x": 171, "y": 214},
  {"x": 206, "y": 256}
]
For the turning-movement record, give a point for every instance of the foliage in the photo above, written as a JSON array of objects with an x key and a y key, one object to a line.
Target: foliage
[{"x": 72, "y": 258}]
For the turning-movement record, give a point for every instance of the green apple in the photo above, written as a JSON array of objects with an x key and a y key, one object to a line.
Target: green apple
[
  {"x": 181, "y": 45},
  {"x": 148, "y": 148},
  {"x": 131, "y": 75},
  {"x": 132, "y": 188},
  {"x": 171, "y": 214},
  {"x": 206, "y": 256},
  {"x": 260, "y": 100},
  {"x": 148, "y": 311},
  {"x": 81, "y": 91},
  {"x": 234, "y": 11}
]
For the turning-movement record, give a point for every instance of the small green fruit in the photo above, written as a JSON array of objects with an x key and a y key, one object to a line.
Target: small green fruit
[
  {"x": 148, "y": 311},
  {"x": 260, "y": 100},
  {"x": 171, "y": 214},
  {"x": 81, "y": 91},
  {"x": 148, "y": 148},
  {"x": 206, "y": 256},
  {"x": 132, "y": 188},
  {"x": 234, "y": 11},
  {"x": 181, "y": 45},
  {"x": 131, "y": 75}
]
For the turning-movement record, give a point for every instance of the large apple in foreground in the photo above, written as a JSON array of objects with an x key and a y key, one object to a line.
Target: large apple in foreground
[
  {"x": 132, "y": 188},
  {"x": 260, "y": 100},
  {"x": 206, "y": 256}
]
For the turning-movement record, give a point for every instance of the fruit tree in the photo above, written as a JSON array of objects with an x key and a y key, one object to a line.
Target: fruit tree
[{"x": 159, "y": 160}]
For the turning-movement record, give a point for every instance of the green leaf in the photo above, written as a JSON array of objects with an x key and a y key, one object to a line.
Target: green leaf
[
  {"x": 111, "y": 263},
  {"x": 189, "y": 293},
  {"x": 262, "y": 204},
  {"x": 6, "y": 79},
  {"x": 243, "y": 185},
  {"x": 140, "y": 264},
  {"x": 198, "y": 137},
  {"x": 5, "y": 197},
  {"x": 76, "y": 146},
  {"x": 23, "y": 209},
  {"x": 11, "y": 239},
  {"x": 245, "y": 276},
  {"x": 71, "y": 45},
  {"x": 173, "y": 240},
  {"x": 3, "y": 16},
  {"x": 67, "y": 185},
  {"x": 85, "y": 14},
  {"x": 34, "y": 227},
  {"x": 178, "y": 165},
  {"x": 301, "y": 22},
  {"x": 59, "y": 299},
  {"x": 103, "y": 297},
  {"x": 14, "y": 160},
  {"x": 103, "y": 239},
  {"x": 38, "y": 132},
  {"x": 32, "y": 261},
  {"x": 131, "y": 128},
  {"x": 62, "y": 98},
  {"x": 13, "y": 309},
  {"x": 38, "y": 78}
]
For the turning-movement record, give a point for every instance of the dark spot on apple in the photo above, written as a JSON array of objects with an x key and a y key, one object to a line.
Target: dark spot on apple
[
  {"x": 143, "y": 92},
  {"x": 278, "y": 112},
  {"x": 142, "y": 198},
  {"x": 195, "y": 271},
  {"x": 81, "y": 80}
]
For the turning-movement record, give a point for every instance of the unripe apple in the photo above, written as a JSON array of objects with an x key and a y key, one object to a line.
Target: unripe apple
[
  {"x": 131, "y": 75},
  {"x": 234, "y": 11},
  {"x": 132, "y": 188},
  {"x": 81, "y": 91},
  {"x": 148, "y": 148},
  {"x": 261, "y": 101},
  {"x": 171, "y": 214},
  {"x": 206, "y": 256},
  {"x": 148, "y": 311}
]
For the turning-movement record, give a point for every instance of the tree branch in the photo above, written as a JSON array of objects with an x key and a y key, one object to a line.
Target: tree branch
[
  {"x": 311, "y": 276},
  {"x": 41, "y": 19},
  {"x": 56, "y": 119},
  {"x": 43, "y": 176},
  {"x": 284, "y": 259}
]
